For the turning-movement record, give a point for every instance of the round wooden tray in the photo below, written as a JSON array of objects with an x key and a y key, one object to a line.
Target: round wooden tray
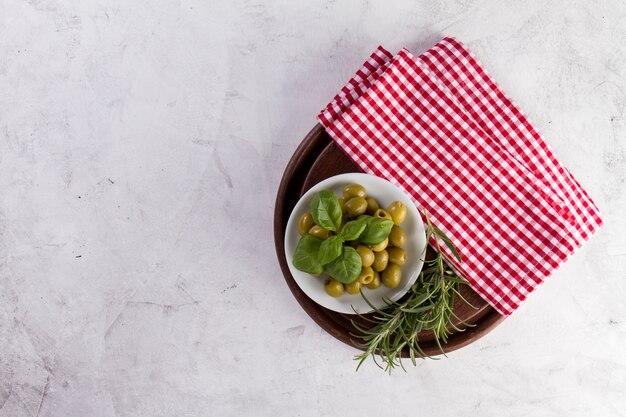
[{"x": 318, "y": 158}]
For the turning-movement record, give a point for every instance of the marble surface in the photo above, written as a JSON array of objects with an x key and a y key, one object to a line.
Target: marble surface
[{"x": 142, "y": 143}]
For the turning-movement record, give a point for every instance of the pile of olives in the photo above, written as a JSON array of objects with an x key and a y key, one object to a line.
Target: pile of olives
[{"x": 380, "y": 263}]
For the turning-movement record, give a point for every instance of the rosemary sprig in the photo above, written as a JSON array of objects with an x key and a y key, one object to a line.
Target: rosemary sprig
[{"x": 427, "y": 307}]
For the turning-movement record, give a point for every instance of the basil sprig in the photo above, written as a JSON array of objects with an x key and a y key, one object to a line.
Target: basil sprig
[
  {"x": 331, "y": 247},
  {"x": 313, "y": 255}
]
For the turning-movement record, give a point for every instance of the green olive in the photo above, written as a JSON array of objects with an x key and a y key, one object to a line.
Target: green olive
[
  {"x": 392, "y": 276},
  {"x": 372, "y": 206},
  {"x": 356, "y": 206},
  {"x": 397, "y": 255},
  {"x": 380, "y": 260},
  {"x": 305, "y": 223},
  {"x": 367, "y": 275},
  {"x": 382, "y": 214},
  {"x": 333, "y": 287},
  {"x": 375, "y": 282},
  {"x": 381, "y": 246},
  {"x": 354, "y": 190},
  {"x": 342, "y": 204},
  {"x": 367, "y": 256},
  {"x": 319, "y": 232},
  {"x": 397, "y": 210},
  {"x": 353, "y": 287},
  {"x": 397, "y": 237}
]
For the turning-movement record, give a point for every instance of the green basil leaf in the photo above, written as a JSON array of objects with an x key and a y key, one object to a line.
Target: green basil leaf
[
  {"x": 305, "y": 257},
  {"x": 330, "y": 250},
  {"x": 352, "y": 230},
  {"x": 326, "y": 210},
  {"x": 376, "y": 230},
  {"x": 347, "y": 267}
]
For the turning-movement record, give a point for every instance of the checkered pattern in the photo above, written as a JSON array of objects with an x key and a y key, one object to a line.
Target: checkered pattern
[{"x": 439, "y": 127}]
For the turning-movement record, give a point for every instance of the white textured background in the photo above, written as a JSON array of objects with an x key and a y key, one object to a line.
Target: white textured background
[{"x": 142, "y": 143}]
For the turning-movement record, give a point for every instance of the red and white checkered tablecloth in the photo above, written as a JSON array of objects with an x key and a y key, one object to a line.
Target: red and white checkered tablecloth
[{"x": 439, "y": 127}]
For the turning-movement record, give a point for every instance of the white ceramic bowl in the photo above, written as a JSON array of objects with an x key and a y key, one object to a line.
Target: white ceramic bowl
[{"x": 384, "y": 192}]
